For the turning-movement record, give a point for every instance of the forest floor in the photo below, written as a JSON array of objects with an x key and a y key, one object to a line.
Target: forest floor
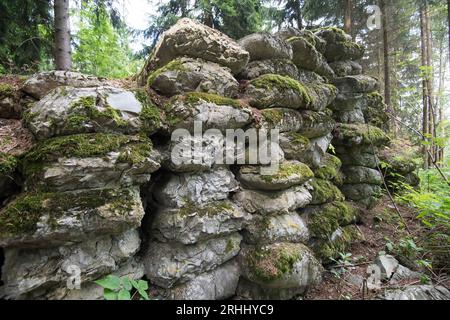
[{"x": 378, "y": 226}]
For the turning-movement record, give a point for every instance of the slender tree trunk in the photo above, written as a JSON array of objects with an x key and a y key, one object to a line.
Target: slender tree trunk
[
  {"x": 63, "y": 59},
  {"x": 448, "y": 19},
  {"x": 387, "y": 70},
  {"x": 348, "y": 17},
  {"x": 430, "y": 81},
  {"x": 299, "y": 15},
  {"x": 424, "y": 84}
]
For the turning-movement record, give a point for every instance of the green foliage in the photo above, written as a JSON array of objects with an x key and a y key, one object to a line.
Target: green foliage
[
  {"x": 101, "y": 49},
  {"x": 123, "y": 288},
  {"x": 26, "y": 35}
]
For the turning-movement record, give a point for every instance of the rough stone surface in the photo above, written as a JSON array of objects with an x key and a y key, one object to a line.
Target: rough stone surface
[
  {"x": 266, "y": 203},
  {"x": 218, "y": 284},
  {"x": 35, "y": 273},
  {"x": 361, "y": 191},
  {"x": 190, "y": 38},
  {"x": 263, "y": 46},
  {"x": 356, "y": 84},
  {"x": 266, "y": 270},
  {"x": 339, "y": 46},
  {"x": 170, "y": 264},
  {"x": 290, "y": 173},
  {"x": 187, "y": 75},
  {"x": 346, "y": 68},
  {"x": 388, "y": 266},
  {"x": 191, "y": 224},
  {"x": 62, "y": 218},
  {"x": 178, "y": 190},
  {"x": 282, "y": 67},
  {"x": 40, "y": 84},
  {"x": 356, "y": 175},
  {"x": 183, "y": 114},
  {"x": 279, "y": 228},
  {"x": 70, "y": 110},
  {"x": 421, "y": 292}
]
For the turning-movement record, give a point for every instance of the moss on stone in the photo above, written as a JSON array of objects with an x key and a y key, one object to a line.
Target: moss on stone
[
  {"x": 329, "y": 167},
  {"x": 8, "y": 164},
  {"x": 209, "y": 210},
  {"x": 133, "y": 149},
  {"x": 272, "y": 116},
  {"x": 327, "y": 250},
  {"x": 368, "y": 133},
  {"x": 298, "y": 139},
  {"x": 289, "y": 169},
  {"x": 273, "y": 262},
  {"x": 330, "y": 217},
  {"x": 6, "y": 90},
  {"x": 282, "y": 83},
  {"x": 150, "y": 115},
  {"x": 174, "y": 65},
  {"x": 86, "y": 106},
  {"x": 195, "y": 97},
  {"x": 22, "y": 215},
  {"x": 324, "y": 191}
]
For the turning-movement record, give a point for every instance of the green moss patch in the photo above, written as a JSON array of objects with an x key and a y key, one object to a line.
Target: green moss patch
[
  {"x": 209, "y": 210},
  {"x": 272, "y": 262},
  {"x": 329, "y": 168},
  {"x": 22, "y": 215},
  {"x": 150, "y": 115},
  {"x": 270, "y": 81},
  {"x": 175, "y": 65},
  {"x": 289, "y": 169},
  {"x": 328, "y": 250},
  {"x": 8, "y": 164},
  {"x": 133, "y": 149},
  {"x": 272, "y": 116},
  {"x": 324, "y": 191},
  {"x": 330, "y": 217},
  {"x": 195, "y": 97},
  {"x": 369, "y": 134},
  {"x": 6, "y": 90}
]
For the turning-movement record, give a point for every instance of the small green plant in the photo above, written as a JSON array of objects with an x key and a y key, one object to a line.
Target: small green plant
[
  {"x": 345, "y": 260},
  {"x": 123, "y": 288}
]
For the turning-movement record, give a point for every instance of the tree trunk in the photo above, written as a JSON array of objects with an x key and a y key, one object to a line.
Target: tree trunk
[
  {"x": 448, "y": 19},
  {"x": 387, "y": 71},
  {"x": 424, "y": 85},
  {"x": 63, "y": 59},
  {"x": 299, "y": 15},
  {"x": 430, "y": 89},
  {"x": 348, "y": 17}
]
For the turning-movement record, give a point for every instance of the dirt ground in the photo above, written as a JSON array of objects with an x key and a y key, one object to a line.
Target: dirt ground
[{"x": 379, "y": 225}]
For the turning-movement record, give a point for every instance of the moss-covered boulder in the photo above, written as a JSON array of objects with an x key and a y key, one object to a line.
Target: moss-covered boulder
[
  {"x": 193, "y": 223},
  {"x": 355, "y": 116},
  {"x": 351, "y": 135},
  {"x": 213, "y": 111},
  {"x": 329, "y": 167},
  {"x": 356, "y": 84},
  {"x": 90, "y": 161},
  {"x": 361, "y": 191},
  {"x": 339, "y": 45},
  {"x": 339, "y": 242},
  {"x": 267, "y": 203},
  {"x": 282, "y": 67},
  {"x": 169, "y": 264},
  {"x": 307, "y": 57},
  {"x": 362, "y": 155},
  {"x": 289, "y": 174},
  {"x": 187, "y": 75},
  {"x": 290, "y": 32},
  {"x": 69, "y": 110},
  {"x": 310, "y": 124},
  {"x": 276, "y": 228},
  {"x": 280, "y": 266},
  {"x": 346, "y": 68},
  {"x": 376, "y": 111},
  {"x": 324, "y": 191},
  {"x": 263, "y": 46},
  {"x": 8, "y": 178},
  {"x": 349, "y": 102},
  {"x": 271, "y": 90},
  {"x": 316, "y": 124},
  {"x": 37, "y": 218},
  {"x": 358, "y": 174},
  {"x": 325, "y": 219},
  {"x": 193, "y": 39}
]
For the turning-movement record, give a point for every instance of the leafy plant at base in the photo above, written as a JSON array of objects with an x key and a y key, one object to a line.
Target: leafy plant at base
[{"x": 121, "y": 288}]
